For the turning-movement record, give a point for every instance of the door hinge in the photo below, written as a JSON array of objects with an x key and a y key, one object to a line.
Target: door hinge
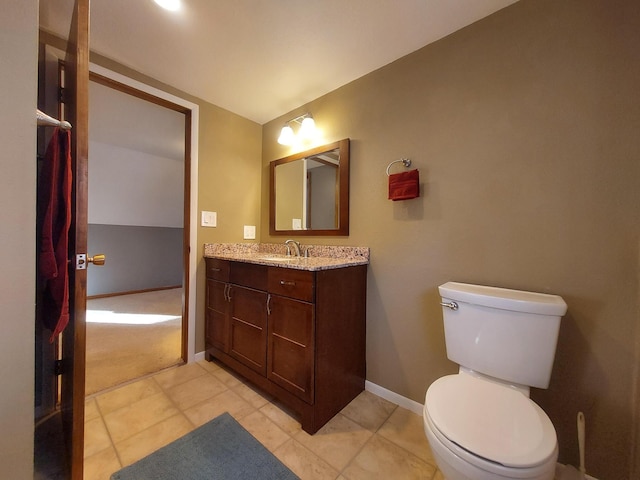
[
  {"x": 58, "y": 368},
  {"x": 63, "y": 95}
]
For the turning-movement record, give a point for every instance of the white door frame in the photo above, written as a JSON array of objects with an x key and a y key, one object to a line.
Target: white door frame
[{"x": 193, "y": 208}]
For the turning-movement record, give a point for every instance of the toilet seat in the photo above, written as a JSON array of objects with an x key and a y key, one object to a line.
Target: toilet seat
[{"x": 491, "y": 421}]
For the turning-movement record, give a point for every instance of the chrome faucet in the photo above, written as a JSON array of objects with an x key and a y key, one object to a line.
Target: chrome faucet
[{"x": 296, "y": 247}]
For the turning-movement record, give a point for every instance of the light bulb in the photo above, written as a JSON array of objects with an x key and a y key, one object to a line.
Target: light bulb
[
  {"x": 308, "y": 127},
  {"x": 173, "y": 5},
  {"x": 286, "y": 135}
]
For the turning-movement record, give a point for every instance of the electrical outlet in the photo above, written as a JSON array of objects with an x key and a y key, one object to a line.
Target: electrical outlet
[{"x": 249, "y": 232}]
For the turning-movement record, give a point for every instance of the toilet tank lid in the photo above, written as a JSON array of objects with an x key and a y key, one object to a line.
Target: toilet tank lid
[{"x": 504, "y": 298}]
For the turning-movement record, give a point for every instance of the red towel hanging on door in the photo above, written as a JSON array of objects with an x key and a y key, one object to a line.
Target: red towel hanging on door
[{"x": 55, "y": 208}]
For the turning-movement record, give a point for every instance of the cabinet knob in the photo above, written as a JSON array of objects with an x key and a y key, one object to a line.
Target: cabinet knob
[{"x": 287, "y": 283}]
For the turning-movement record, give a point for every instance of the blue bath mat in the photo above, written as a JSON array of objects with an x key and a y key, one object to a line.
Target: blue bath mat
[{"x": 220, "y": 449}]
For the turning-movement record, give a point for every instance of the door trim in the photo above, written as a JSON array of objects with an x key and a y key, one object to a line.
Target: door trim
[{"x": 194, "y": 109}]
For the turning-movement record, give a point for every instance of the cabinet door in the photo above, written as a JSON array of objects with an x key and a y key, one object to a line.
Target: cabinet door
[
  {"x": 291, "y": 346},
  {"x": 249, "y": 327},
  {"x": 217, "y": 315}
]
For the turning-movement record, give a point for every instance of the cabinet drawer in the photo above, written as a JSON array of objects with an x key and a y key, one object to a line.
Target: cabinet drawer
[
  {"x": 291, "y": 283},
  {"x": 217, "y": 269},
  {"x": 249, "y": 275}
]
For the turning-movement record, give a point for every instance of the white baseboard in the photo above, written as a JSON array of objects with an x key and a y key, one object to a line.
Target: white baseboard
[
  {"x": 394, "y": 397},
  {"x": 560, "y": 468},
  {"x": 382, "y": 392}
]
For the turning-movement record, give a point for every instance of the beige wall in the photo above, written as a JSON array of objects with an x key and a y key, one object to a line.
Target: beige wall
[
  {"x": 229, "y": 183},
  {"x": 524, "y": 127},
  {"x": 18, "y": 86}
]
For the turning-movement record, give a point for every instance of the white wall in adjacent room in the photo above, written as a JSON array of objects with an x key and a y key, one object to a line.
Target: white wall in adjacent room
[{"x": 129, "y": 187}]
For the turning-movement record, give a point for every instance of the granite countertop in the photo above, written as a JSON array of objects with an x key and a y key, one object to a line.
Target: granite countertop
[{"x": 321, "y": 257}]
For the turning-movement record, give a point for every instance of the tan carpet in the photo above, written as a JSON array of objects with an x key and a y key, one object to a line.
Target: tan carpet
[{"x": 129, "y": 336}]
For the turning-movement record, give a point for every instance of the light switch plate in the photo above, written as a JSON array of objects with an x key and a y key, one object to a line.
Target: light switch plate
[
  {"x": 249, "y": 232},
  {"x": 209, "y": 219}
]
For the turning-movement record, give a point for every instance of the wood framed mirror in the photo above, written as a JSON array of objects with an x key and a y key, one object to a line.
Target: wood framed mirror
[{"x": 309, "y": 192}]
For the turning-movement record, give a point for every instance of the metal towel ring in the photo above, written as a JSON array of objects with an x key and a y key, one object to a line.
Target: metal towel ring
[{"x": 405, "y": 161}]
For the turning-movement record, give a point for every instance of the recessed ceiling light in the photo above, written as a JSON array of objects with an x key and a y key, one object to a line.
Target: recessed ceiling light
[{"x": 173, "y": 5}]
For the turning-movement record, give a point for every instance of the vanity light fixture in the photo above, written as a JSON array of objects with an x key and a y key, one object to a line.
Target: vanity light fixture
[
  {"x": 286, "y": 135},
  {"x": 172, "y": 5},
  {"x": 307, "y": 129}
]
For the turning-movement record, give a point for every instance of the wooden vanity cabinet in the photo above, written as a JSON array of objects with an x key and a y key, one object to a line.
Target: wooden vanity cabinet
[{"x": 297, "y": 334}]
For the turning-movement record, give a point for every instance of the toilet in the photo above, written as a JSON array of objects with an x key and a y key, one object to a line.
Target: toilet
[{"x": 481, "y": 423}]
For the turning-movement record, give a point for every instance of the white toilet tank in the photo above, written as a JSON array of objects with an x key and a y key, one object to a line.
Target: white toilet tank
[{"x": 507, "y": 334}]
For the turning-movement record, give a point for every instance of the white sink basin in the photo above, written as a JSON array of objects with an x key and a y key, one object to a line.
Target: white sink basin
[{"x": 276, "y": 258}]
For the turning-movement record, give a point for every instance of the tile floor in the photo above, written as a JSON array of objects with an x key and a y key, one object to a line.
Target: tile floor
[{"x": 370, "y": 439}]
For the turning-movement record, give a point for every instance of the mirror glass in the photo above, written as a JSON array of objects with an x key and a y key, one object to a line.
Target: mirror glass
[{"x": 309, "y": 192}]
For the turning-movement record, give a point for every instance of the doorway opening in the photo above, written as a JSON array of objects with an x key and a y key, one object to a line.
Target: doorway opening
[{"x": 138, "y": 214}]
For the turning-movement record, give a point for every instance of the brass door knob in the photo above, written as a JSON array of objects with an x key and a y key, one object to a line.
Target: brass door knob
[{"x": 98, "y": 259}]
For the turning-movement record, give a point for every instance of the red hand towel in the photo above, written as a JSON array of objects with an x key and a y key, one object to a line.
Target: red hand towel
[
  {"x": 56, "y": 220},
  {"x": 404, "y": 186}
]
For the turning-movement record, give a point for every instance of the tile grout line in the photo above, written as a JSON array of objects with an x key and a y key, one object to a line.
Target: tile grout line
[
  {"x": 164, "y": 393},
  {"x": 113, "y": 444},
  {"x": 433, "y": 464},
  {"x": 130, "y": 382},
  {"x": 182, "y": 412},
  {"x": 373, "y": 434}
]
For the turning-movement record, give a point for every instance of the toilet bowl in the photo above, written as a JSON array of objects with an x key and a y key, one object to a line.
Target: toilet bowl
[
  {"x": 481, "y": 430},
  {"x": 481, "y": 423}
]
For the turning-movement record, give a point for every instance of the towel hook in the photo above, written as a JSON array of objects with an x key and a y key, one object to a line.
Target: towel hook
[{"x": 405, "y": 161}]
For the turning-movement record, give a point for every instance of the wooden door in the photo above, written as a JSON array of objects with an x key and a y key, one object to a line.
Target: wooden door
[{"x": 76, "y": 106}]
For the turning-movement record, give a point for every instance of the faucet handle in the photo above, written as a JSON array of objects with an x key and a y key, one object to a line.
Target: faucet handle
[
  {"x": 306, "y": 252},
  {"x": 288, "y": 250}
]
